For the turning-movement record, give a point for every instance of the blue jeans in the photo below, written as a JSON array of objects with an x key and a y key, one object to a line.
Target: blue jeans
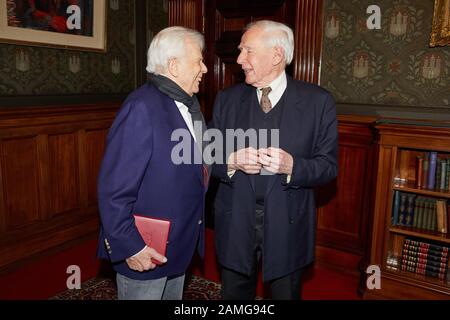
[{"x": 156, "y": 289}]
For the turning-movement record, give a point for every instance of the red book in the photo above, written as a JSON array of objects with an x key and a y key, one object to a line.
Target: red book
[{"x": 155, "y": 233}]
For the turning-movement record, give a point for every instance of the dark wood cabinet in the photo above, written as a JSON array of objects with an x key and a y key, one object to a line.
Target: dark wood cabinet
[{"x": 399, "y": 144}]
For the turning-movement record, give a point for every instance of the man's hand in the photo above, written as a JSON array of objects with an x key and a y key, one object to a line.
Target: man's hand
[
  {"x": 245, "y": 160},
  {"x": 143, "y": 260},
  {"x": 276, "y": 160}
]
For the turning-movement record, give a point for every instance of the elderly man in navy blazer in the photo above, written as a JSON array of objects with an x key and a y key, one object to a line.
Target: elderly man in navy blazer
[
  {"x": 139, "y": 176},
  {"x": 265, "y": 209}
]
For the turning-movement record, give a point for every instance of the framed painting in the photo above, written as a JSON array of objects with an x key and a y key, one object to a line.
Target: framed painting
[
  {"x": 68, "y": 24},
  {"x": 440, "y": 33}
]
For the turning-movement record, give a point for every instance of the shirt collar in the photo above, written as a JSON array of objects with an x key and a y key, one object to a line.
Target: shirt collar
[
  {"x": 278, "y": 87},
  {"x": 279, "y": 83}
]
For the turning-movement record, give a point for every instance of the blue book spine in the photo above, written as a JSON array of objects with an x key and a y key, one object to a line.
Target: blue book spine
[
  {"x": 395, "y": 208},
  {"x": 410, "y": 210},
  {"x": 432, "y": 170}
]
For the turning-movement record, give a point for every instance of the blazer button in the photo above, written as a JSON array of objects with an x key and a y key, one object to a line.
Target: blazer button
[
  {"x": 200, "y": 221},
  {"x": 291, "y": 221}
]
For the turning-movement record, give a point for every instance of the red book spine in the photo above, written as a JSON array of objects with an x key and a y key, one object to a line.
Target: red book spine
[
  {"x": 408, "y": 253},
  {"x": 426, "y": 245},
  {"x": 425, "y": 250}
]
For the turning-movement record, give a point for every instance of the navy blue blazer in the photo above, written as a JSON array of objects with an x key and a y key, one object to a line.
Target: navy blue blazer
[
  {"x": 308, "y": 131},
  {"x": 137, "y": 175}
]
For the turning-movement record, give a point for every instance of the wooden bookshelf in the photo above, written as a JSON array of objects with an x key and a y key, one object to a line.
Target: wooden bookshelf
[
  {"x": 424, "y": 192},
  {"x": 399, "y": 146},
  {"x": 419, "y": 233},
  {"x": 419, "y": 280}
]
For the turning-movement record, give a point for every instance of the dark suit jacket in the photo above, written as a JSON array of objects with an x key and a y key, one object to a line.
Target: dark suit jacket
[
  {"x": 137, "y": 175},
  {"x": 308, "y": 131}
]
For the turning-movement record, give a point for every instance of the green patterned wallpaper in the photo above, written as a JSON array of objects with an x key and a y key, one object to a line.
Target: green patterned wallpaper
[
  {"x": 26, "y": 70},
  {"x": 391, "y": 66}
]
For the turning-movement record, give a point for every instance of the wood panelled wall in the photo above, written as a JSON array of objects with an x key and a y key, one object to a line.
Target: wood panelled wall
[
  {"x": 49, "y": 160},
  {"x": 187, "y": 13},
  {"x": 344, "y": 205},
  {"x": 308, "y": 40}
]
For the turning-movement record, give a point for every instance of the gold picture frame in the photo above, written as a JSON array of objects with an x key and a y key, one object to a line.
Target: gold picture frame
[
  {"x": 21, "y": 30},
  {"x": 440, "y": 33}
]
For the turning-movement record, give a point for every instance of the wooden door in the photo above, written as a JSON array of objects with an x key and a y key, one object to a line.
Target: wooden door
[{"x": 224, "y": 22}]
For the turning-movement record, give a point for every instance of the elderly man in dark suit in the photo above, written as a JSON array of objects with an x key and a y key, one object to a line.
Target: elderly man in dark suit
[
  {"x": 265, "y": 208},
  {"x": 138, "y": 174}
]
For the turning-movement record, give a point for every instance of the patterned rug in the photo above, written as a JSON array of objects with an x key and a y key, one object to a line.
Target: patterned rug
[{"x": 196, "y": 288}]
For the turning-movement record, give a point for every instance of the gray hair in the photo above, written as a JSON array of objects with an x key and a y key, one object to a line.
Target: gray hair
[
  {"x": 170, "y": 43},
  {"x": 280, "y": 36}
]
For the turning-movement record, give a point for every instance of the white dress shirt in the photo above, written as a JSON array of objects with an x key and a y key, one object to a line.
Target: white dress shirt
[
  {"x": 278, "y": 87},
  {"x": 184, "y": 110}
]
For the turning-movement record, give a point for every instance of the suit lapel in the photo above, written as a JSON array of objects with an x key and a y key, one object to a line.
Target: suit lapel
[
  {"x": 287, "y": 123},
  {"x": 244, "y": 116}
]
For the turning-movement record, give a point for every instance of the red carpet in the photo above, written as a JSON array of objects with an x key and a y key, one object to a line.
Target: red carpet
[
  {"x": 325, "y": 284},
  {"x": 45, "y": 278}
]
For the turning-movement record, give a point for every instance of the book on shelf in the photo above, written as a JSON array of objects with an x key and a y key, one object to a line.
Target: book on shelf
[
  {"x": 424, "y": 261},
  {"x": 429, "y": 216},
  {"x": 425, "y": 258},
  {"x": 426, "y": 166},
  {"x": 419, "y": 169},
  {"x": 443, "y": 174},
  {"x": 426, "y": 245},
  {"x": 447, "y": 176},
  {"x": 441, "y": 213},
  {"x": 395, "y": 208},
  {"x": 433, "y": 217},
  {"x": 418, "y": 216},
  {"x": 402, "y": 209},
  {"x": 409, "y": 210},
  {"x": 424, "y": 272},
  {"x": 424, "y": 253},
  {"x": 431, "y": 255},
  {"x": 409, "y": 215},
  {"x": 438, "y": 269},
  {"x": 437, "y": 176},
  {"x": 432, "y": 170},
  {"x": 448, "y": 214}
]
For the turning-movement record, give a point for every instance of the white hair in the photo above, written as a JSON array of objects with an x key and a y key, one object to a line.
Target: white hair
[
  {"x": 280, "y": 36},
  {"x": 170, "y": 43}
]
